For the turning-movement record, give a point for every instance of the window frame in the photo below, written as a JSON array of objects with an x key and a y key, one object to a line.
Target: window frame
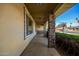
[{"x": 26, "y": 25}]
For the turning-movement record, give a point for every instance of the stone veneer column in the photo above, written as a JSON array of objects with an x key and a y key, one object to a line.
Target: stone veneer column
[{"x": 51, "y": 31}]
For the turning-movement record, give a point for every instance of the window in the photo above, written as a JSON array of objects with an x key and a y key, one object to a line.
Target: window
[{"x": 28, "y": 25}]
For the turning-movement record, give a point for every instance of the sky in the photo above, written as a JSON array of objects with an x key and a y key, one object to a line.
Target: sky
[{"x": 69, "y": 16}]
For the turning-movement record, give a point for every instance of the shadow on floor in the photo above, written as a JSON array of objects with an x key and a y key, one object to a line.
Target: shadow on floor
[{"x": 38, "y": 47}]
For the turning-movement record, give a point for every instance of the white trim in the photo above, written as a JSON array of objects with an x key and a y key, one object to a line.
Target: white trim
[{"x": 28, "y": 36}]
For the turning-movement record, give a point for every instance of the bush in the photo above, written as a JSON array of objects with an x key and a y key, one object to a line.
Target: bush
[{"x": 68, "y": 42}]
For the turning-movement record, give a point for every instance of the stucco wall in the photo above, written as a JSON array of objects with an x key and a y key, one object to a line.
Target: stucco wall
[
  {"x": 40, "y": 28},
  {"x": 12, "y": 29}
]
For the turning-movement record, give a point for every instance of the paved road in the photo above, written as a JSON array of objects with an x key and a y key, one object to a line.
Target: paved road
[{"x": 75, "y": 33}]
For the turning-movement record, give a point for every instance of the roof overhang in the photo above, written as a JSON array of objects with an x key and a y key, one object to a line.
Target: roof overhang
[{"x": 40, "y": 11}]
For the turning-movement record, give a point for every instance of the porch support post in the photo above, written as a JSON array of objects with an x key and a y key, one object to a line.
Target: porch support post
[{"x": 51, "y": 31}]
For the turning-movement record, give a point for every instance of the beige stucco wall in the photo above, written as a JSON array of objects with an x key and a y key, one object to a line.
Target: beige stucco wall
[
  {"x": 12, "y": 29},
  {"x": 46, "y": 26},
  {"x": 40, "y": 28}
]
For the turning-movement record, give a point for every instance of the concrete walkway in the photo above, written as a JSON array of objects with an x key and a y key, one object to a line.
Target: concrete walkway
[{"x": 38, "y": 47}]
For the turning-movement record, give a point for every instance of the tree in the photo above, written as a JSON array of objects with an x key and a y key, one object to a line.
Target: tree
[
  {"x": 63, "y": 25},
  {"x": 77, "y": 20},
  {"x": 70, "y": 25}
]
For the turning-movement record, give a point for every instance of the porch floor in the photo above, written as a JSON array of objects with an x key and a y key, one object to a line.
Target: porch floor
[{"x": 38, "y": 47}]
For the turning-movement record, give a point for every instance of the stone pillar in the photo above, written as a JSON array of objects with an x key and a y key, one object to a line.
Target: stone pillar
[{"x": 51, "y": 31}]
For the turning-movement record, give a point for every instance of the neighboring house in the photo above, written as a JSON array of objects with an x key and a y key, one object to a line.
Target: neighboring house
[
  {"x": 76, "y": 27},
  {"x": 61, "y": 27}
]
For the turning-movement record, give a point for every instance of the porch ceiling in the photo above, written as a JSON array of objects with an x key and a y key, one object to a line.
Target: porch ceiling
[{"x": 40, "y": 11}]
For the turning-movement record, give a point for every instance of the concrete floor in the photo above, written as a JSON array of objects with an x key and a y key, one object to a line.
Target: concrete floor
[{"x": 38, "y": 47}]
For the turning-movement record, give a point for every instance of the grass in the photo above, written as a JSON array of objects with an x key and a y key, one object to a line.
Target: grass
[{"x": 68, "y": 36}]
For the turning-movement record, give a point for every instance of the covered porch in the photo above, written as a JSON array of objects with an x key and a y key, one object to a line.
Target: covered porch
[
  {"x": 20, "y": 23},
  {"x": 44, "y": 43}
]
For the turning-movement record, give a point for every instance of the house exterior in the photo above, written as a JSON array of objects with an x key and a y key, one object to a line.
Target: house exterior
[{"x": 16, "y": 32}]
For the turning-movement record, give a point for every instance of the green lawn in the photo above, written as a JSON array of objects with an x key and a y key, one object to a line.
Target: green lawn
[{"x": 68, "y": 36}]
